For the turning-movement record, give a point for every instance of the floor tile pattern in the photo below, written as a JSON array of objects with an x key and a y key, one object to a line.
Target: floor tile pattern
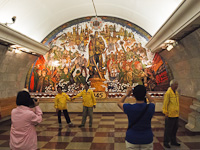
[{"x": 107, "y": 133}]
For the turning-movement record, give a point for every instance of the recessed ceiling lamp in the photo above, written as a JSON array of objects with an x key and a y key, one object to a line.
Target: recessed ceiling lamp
[
  {"x": 19, "y": 49},
  {"x": 96, "y": 22},
  {"x": 169, "y": 44},
  {"x": 169, "y": 41},
  {"x": 169, "y": 47}
]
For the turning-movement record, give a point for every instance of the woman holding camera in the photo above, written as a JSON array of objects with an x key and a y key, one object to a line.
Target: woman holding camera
[
  {"x": 139, "y": 134},
  {"x": 23, "y": 134}
]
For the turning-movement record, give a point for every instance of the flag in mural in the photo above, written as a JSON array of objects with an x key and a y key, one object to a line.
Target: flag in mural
[{"x": 110, "y": 58}]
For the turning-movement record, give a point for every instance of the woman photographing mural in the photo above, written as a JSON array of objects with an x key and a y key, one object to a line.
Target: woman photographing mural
[
  {"x": 139, "y": 134},
  {"x": 23, "y": 134}
]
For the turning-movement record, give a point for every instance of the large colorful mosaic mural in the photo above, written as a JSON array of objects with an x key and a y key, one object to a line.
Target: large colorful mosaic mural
[{"x": 110, "y": 58}]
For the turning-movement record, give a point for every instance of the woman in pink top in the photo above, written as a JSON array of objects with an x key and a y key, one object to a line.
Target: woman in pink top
[{"x": 23, "y": 134}]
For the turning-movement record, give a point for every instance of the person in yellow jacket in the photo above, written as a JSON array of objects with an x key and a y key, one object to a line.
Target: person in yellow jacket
[
  {"x": 171, "y": 111},
  {"x": 89, "y": 102},
  {"x": 61, "y": 105}
]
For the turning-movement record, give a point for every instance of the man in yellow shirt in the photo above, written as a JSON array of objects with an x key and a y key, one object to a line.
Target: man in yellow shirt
[
  {"x": 171, "y": 111},
  {"x": 61, "y": 105},
  {"x": 89, "y": 101}
]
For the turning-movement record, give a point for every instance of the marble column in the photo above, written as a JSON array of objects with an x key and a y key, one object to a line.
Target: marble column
[{"x": 194, "y": 117}]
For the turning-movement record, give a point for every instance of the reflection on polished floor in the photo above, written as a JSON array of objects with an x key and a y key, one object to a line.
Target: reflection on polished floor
[{"x": 107, "y": 133}]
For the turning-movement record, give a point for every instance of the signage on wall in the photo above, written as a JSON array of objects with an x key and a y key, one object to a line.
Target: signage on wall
[{"x": 100, "y": 95}]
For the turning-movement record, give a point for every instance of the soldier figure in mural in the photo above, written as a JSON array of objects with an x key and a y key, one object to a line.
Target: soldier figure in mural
[
  {"x": 96, "y": 71},
  {"x": 79, "y": 79},
  {"x": 43, "y": 82},
  {"x": 150, "y": 83},
  {"x": 66, "y": 77},
  {"x": 139, "y": 75},
  {"x": 83, "y": 63},
  {"x": 81, "y": 46},
  {"x": 96, "y": 48}
]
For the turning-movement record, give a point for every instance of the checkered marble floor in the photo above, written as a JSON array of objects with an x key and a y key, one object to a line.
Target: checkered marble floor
[{"x": 107, "y": 133}]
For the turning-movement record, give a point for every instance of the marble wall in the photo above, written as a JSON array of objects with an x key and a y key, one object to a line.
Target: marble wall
[
  {"x": 184, "y": 61},
  {"x": 13, "y": 70}
]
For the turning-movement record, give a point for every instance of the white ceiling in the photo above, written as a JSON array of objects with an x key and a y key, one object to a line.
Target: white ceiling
[{"x": 37, "y": 18}]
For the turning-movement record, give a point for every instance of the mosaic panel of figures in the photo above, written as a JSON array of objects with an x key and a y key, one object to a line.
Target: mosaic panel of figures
[{"x": 109, "y": 58}]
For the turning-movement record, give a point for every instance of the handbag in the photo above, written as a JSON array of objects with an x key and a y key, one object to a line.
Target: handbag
[{"x": 141, "y": 115}]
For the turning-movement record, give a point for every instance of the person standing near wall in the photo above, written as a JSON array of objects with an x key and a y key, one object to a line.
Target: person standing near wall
[
  {"x": 89, "y": 102},
  {"x": 171, "y": 111},
  {"x": 61, "y": 105},
  {"x": 139, "y": 134},
  {"x": 23, "y": 134}
]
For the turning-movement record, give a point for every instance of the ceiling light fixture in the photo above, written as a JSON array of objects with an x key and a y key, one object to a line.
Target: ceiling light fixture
[
  {"x": 169, "y": 41},
  {"x": 19, "y": 49},
  {"x": 169, "y": 44},
  {"x": 169, "y": 47}
]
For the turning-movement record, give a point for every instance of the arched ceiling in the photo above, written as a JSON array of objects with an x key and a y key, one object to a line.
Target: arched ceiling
[{"x": 37, "y": 18}]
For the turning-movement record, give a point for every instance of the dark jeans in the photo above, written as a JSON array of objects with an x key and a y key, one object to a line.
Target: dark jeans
[
  {"x": 87, "y": 111},
  {"x": 65, "y": 112},
  {"x": 171, "y": 127}
]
